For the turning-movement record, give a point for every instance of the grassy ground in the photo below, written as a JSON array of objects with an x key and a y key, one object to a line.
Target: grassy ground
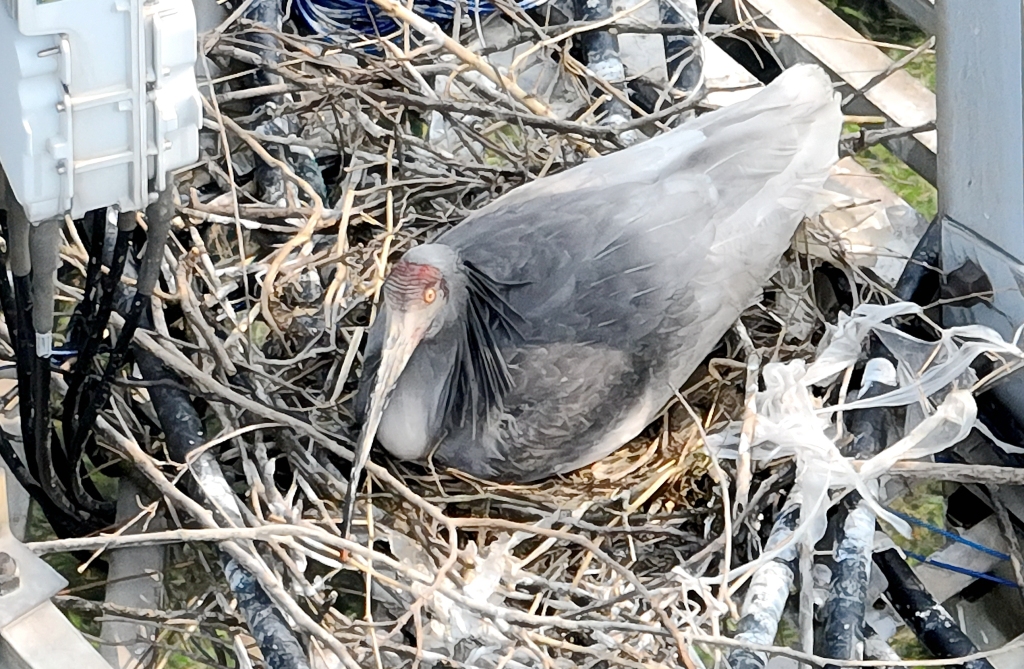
[{"x": 901, "y": 180}]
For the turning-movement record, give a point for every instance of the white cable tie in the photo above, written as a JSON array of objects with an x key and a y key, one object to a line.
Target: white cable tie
[{"x": 44, "y": 344}]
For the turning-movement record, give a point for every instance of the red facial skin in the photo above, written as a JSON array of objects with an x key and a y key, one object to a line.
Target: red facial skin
[{"x": 410, "y": 283}]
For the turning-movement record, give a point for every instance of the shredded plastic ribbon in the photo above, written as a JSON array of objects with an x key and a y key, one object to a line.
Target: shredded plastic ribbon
[{"x": 934, "y": 377}]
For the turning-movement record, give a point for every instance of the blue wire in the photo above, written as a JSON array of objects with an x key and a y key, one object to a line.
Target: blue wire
[
  {"x": 960, "y": 540},
  {"x": 961, "y": 570},
  {"x": 950, "y": 535},
  {"x": 333, "y": 19}
]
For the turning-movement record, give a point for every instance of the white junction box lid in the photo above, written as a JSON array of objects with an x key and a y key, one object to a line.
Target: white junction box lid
[{"x": 98, "y": 101}]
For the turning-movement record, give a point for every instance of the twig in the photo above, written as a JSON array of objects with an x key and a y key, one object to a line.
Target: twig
[
  {"x": 300, "y": 238},
  {"x": 433, "y": 32},
  {"x": 927, "y": 45},
  {"x": 743, "y": 466},
  {"x": 958, "y": 473}
]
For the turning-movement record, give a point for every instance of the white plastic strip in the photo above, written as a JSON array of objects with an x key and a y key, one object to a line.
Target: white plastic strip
[{"x": 935, "y": 376}]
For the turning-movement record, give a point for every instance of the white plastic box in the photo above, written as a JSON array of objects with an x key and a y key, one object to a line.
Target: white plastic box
[{"x": 98, "y": 101}]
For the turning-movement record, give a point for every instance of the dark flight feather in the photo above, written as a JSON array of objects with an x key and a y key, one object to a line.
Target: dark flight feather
[{"x": 480, "y": 377}]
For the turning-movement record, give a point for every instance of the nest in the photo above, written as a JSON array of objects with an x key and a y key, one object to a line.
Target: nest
[{"x": 268, "y": 286}]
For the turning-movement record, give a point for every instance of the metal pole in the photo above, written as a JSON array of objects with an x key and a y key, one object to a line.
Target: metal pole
[
  {"x": 980, "y": 101},
  {"x": 135, "y": 578},
  {"x": 921, "y": 12}
]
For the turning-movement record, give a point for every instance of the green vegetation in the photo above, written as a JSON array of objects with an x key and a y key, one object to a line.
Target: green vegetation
[
  {"x": 877, "y": 21},
  {"x": 925, "y": 501},
  {"x": 906, "y": 645},
  {"x": 900, "y": 179},
  {"x": 921, "y": 68}
]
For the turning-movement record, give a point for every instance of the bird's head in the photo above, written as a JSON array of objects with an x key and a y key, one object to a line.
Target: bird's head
[
  {"x": 432, "y": 292},
  {"x": 420, "y": 292},
  {"x": 420, "y": 296}
]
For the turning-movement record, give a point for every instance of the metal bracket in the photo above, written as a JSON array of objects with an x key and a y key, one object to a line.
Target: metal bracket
[{"x": 33, "y": 633}]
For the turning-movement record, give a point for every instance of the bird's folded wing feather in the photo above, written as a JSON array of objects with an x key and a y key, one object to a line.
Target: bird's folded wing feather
[{"x": 713, "y": 199}]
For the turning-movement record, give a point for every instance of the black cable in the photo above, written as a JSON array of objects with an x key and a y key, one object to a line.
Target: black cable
[
  {"x": 6, "y": 291},
  {"x": 601, "y": 53},
  {"x": 85, "y": 391},
  {"x": 842, "y": 631},
  {"x": 183, "y": 433},
  {"x": 16, "y": 302},
  {"x": 25, "y": 353},
  {"x": 93, "y": 224},
  {"x": 158, "y": 216},
  {"x": 684, "y": 54},
  {"x": 932, "y": 625}
]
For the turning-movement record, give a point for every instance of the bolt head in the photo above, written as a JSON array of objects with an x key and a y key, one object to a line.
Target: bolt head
[{"x": 9, "y": 579}]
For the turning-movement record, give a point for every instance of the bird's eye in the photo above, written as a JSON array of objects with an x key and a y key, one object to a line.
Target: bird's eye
[{"x": 429, "y": 295}]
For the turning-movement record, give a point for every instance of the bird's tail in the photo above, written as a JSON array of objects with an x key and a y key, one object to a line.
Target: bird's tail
[
  {"x": 793, "y": 128},
  {"x": 774, "y": 152}
]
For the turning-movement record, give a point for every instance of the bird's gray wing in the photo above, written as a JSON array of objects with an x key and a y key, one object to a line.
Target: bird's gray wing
[
  {"x": 602, "y": 248},
  {"x": 548, "y": 415},
  {"x": 600, "y": 265}
]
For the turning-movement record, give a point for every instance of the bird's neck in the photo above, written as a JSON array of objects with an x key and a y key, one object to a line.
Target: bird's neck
[{"x": 414, "y": 417}]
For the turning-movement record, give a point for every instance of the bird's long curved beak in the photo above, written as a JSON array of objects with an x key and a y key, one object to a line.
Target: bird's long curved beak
[{"x": 403, "y": 335}]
